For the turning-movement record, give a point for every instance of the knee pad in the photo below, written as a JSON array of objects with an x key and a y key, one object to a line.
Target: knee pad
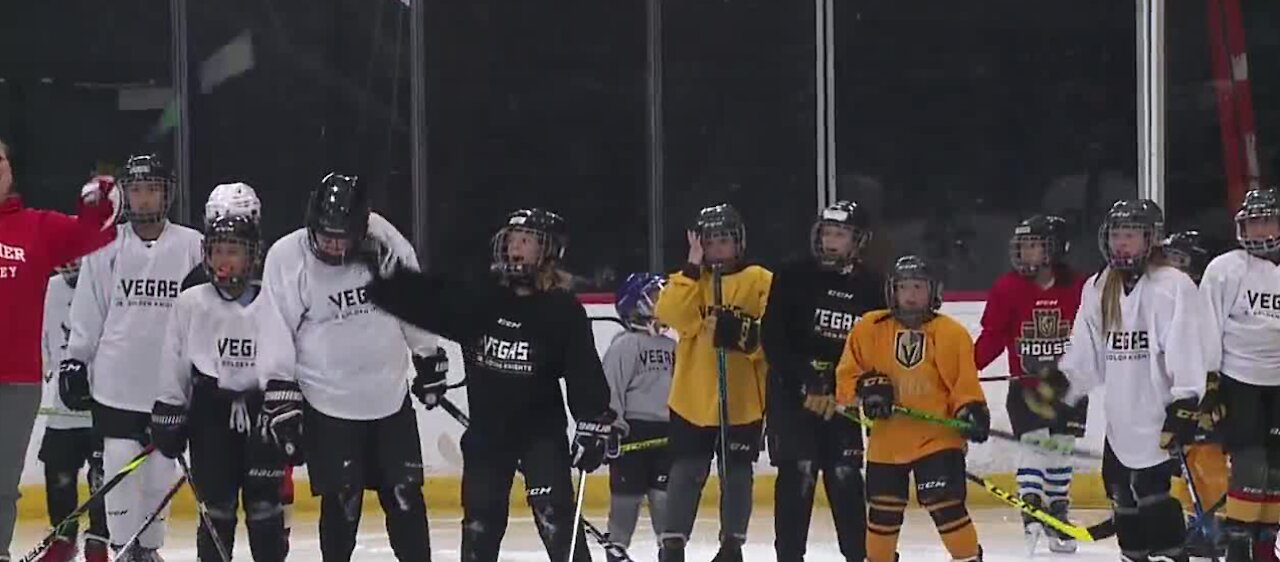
[
  {"x": 222, "y": 510},
  {"x": 348, "y": 501},
  {"x": 405, "y": 498},
  {"x": 262, "y": 510},
  {"x": 60, "y": 479},
  {"x": 940, "y": 478},
  {"x": 846, "y": 475}
]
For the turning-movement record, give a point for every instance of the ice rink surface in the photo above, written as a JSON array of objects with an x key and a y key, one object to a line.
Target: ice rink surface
[{"x": 999, "y": 530}]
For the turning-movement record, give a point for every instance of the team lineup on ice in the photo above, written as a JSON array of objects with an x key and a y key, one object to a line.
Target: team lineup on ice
[{"x": 205, "y": 359}]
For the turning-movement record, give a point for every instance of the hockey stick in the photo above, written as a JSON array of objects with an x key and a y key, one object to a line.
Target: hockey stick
[
  {"x": 1203, "y": 526},
  {"x": 643, "y": 445},
  {"x": 1000, "y": 378},
  {"x": 151, "y": 518},
  {"x": 607, "y": 319},
  {"x": 722, "y": 384},
  {"x": 96, "y": 496},
  {"x": 203, "y": 510},
  {"x": 610, "y": 547},
  {"x": 1097, "y": 532},
  {"x": 577, "y": 513},
  {"x": 1047, "y": 445}
]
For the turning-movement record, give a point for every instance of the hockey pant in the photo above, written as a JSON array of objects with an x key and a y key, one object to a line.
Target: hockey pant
[
  {"x": 692, "y": 449},
  {"x": 800, "y": 445},
  {"x": 940, "y": 489},
  {"x": 64, "y": 452},
  {"x": 635, "y": 476},
  {"x": 230, "y": 458},
  {"x": 1249, "y": 434},
  {"x": 346, "y": 457},
  {"x": 1148, "y": 519},
  {"x": 128, "y": 504}
]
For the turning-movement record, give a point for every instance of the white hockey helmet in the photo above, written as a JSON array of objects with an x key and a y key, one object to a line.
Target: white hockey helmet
[{"x": 233, "y": 199}]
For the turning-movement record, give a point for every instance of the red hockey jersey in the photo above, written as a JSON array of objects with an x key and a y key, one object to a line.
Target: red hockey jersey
[{"x": 1031, "y": 323}]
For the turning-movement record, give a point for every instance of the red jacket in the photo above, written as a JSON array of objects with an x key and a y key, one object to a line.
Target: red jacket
[
  {"x": 1029, "y": 322},
  {"x": 32, "y": 243}
]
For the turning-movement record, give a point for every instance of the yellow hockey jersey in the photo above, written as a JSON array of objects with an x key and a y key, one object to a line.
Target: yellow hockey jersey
[
  {"x": 932, "y": 370},
  {"x": 684, "y": 305}
]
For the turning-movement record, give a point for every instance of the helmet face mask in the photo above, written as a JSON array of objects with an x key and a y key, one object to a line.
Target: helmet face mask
[
  {"x": 1130, "y": 233},
  {"x": 636, "y": 301},
  {"x": 337, "y": 219},
  {"x": 723, "y": 235},
  {"x": 532, "y": 241},
  {"x": 231, "y": 255},
  {"x": 913, "y": 292},
  {"x": 1038, "y": 244},
  {"x": 148, "y": 190},
  {"x": 838, "y": 236}
]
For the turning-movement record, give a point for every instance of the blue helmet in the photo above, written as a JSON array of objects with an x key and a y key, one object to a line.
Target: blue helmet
[{"x": 636, "y": 298}]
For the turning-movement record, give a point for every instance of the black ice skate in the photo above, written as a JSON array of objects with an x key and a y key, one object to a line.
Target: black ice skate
[
  {"x": 730, "y": 551},
  {"x": 1058, "y": 542},
  {"x": 672, "y": 550}
]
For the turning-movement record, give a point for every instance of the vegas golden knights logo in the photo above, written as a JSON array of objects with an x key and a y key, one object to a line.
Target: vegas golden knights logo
[
  {"x": 1043, "y": 339},
  {"x": 908, "y": 347}
]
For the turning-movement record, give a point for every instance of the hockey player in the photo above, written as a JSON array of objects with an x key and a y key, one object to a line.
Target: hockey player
[
  {"x": 707, "y": 328},
  {"x": 125, "y": 293},
  {"x": 1029, "y": 313},
  {"x": 209, "y": 394},
  {"x": 638, "y": 366},
  {"x": 520, "y": 334},
  {"x": 69, "y": 442},
  {"x": 1138, "y": 334},
  {"x": 913, "y": 356},
  {"x": 813, "y": 304},
  {"x": 1241, "y": 286},
  {"x": 1190, "y": 252},
  {"x": 351, "y": 363},
  {"x": 228, "y": 199}
]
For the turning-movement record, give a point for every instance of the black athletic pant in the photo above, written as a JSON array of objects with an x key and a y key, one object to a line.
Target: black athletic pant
[
  {"x": 232, "y": 463},
  {"x": 1148, "y": 520},
  {"x": 64, "y": 452},
  {"x": 346, "y": 457},
  {"x": 490, "y": 461},
  {"x": 800, "y": 445}
]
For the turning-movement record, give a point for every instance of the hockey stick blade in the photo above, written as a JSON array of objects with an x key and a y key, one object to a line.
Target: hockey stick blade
[
  {"x": 596, "y": 534},
  {"x": 203, "y": 510},
  {"x": 151, "y": 518},
  {"x": 96, "y": 496}
]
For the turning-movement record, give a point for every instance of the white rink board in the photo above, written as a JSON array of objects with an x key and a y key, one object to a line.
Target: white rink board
[{"x": 440, "y": 433}]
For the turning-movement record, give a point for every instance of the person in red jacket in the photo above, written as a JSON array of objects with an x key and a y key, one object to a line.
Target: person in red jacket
[
  {"x": 1029, "y": 313},
  {"x": 32, "y": 243}
]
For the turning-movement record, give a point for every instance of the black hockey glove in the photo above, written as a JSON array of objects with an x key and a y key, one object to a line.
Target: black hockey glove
[
  {"x": 1073, "y": 422},
  {"x": 1045, "y": 396},
  {"x": 73, "y": 385},
  {"x": 737, "y": 331},
  {"x": 595, "y": 439},
  {"x": 169, "y": 429},
  {"x": 1181, "y": 418},
  {"x": 429, "y": 384},
  {"x": 281, "y": 419},
  {"x": 875, "y": 392},
  {"x": 820, "y": 389},
  {"x": 1212, "y": 409},
  {"x": 978, "y": 417}
]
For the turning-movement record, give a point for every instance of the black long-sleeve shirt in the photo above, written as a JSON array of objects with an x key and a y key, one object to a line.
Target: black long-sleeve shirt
[{"x": 516, "y": 348}]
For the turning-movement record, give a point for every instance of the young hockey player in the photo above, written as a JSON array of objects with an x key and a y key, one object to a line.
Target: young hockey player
[
  {"x": 123, "y": 299},
  {"x": 228, "y": 199},
  {"x": 210, "y": 395},
  {"x": 520, "y": 334},
  {"x": 1241, "y": 286},
  {"x": 712, "y": 322},
  {"x": 1190, "y": 252},
  {"x": 1138, "y": 334},
  {"x": 638, "y": 366},
  {"x": 69, "y": 442},
  {"x": 813, "y": 304},
  {"x": 913, "y": 356},
  {"x": 1029, "y": 313},
  {"x": 351, "y": 363}
]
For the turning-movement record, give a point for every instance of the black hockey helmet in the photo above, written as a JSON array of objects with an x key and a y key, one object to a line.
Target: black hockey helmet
[
  {"x": 910, "y": 267},
  {"x": 1188, "y": 251},
  {"x": 847, "y": 215},
  {"x": 232, "y": 229},
  {"x": 338, "y": 210},
  {"x": 1131, "y": 214},
  {"x": 147, "y": 169},
  {"x": 719, "y": 221},
  {"x": 1048, "y": 230},
  {"x": 1257, "y": 204},
  {"x": 69, "y": 271},
  {"x": 547, "y": 228}
]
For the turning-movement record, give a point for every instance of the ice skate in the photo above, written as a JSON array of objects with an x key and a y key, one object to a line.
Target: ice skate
[
  {"x": 672, "y": 551},
  {"x": 730, "y": 551},
  {"x": 1032, "y": 529},
  {"x": 1058, "y": 542}
]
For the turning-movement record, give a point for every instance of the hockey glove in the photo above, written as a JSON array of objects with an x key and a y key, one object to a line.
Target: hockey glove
[
  {"x": 1212, "y": 408},
  {"x": 820, "y": 389},
  {"x": 595, "y": 439},
  {"x": 978, "y": 417},
  {"x": 1073, "y": 422},
  {"x": 281, "y": 419},
  {"x": 429, "y": 384},
  {"x": 169, "y": 429},
  {"x": 875, "y": 392},
  {"x": 1046, "y": 395},
  {"x": 736, "y": 331},
  {"x": 73, "y": 385},
  {"x": 1180, "y": 420}
]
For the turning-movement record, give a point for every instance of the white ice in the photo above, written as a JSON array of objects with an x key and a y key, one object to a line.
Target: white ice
[{"x": 999, "y": 531}]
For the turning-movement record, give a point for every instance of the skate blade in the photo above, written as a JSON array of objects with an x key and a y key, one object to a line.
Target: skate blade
[{"x": 1032, "y": 534}]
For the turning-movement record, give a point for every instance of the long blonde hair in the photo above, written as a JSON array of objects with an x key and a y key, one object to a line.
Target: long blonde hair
[{"x": 1113, "y": 286}]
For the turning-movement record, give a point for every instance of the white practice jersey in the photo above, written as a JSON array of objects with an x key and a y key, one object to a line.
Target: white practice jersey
[
  {"x": 351, "y": 359},
  {"x": 1155, "y": 357},
  {"x": 53, "y": 349},
  {"x": 121, "y": 307},
  {"x": 219, "y": 339},
  {"x": 1244, "y": 297}
]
